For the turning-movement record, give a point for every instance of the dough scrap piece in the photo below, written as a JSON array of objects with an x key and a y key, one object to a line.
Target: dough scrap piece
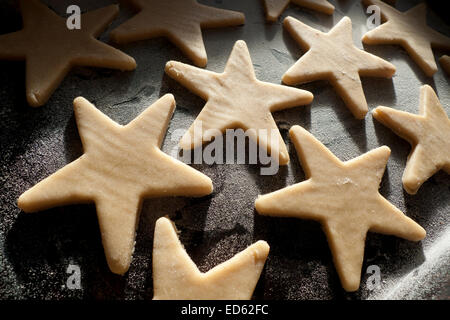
[
  {"x": 445, "y": 63},
  {"x": 274, "y": 8},
  {"x": 180, "y": 21},
  {"x": 236, "y": 99},
  {"x": 176, "y": 277},
  {"x": 120, "y": 166},
  {"x": 408, "y": 29},
  {"x": 51, "y": 49},
  {"x": 344, "y": 198},
  {"x": 332, "y": 56},
  {"x": 428, "y": 133}
]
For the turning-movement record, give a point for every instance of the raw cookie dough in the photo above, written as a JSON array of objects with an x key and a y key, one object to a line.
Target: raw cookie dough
[
  {"x": 274, "y": 8},
  {"x": 236, "y": 99},
  {"x": 176, "y": 277},
  {"x": 344, "y": 198},
  {"x": 445, "y": 63},
  {"x": 51, "y": 49},
  {"x": 428, "y": 133},
  {"x": 180, "y": 21},
  {"x": 332, "y": 56},
  {"x": 408, "y": 29},
  {"x": 120, "y": 166}
]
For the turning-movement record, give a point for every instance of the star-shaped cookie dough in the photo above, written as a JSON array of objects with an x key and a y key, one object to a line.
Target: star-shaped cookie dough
[
  {"x": 176, "y": 277},
  {"x": 51, "y": 49},
  {"x": 445, "y": 63},
  {"x": 120, "y": 166},
  {"x": 408, "y": 29},
  {"x": 332, "y": 56},
  {"x": 344, "y": 198},
  {"x": 274, "y": 8},
  {"x": 236, "y": 99},
  {"x": 428, "y": 133},
  {"x": 180, "y": 21}
]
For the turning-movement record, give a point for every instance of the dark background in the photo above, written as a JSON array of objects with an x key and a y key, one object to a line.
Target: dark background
[{"x": 35, "y": 249}]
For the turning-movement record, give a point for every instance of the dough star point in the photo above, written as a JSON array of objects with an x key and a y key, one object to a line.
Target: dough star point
[
  {"x": 180, "y": 21},
  {"x": 274, "y": 8},
  {"x": 445, "y": 63},
  {"x": 121, "y": 166},
  {"x": 176, "y": 277},
  {"x": 236, "y": 99},
  {"x": 332, "y": 56},
  {"x": 51, "y": 49},
  {"x": 344, "y": 198},
  {"x": 428, "y": 133}
]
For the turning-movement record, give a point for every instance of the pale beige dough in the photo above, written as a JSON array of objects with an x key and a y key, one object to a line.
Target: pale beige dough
[
  {"x": 410, "y": 30},
  {"x": 51, "y": 49},
  {"x": 180, "y": 21},
  {"x": 236, "y": 99},
  {"x": 428, "y": 133},
  {"x": 176, "y": 277},
  {"x": 274, "y": 8},
  {"x": 120, "y": 166},
  {"x": 344, "y": 198},
  {"x": 332, "y": 56},
  {"x": 445, "y": 63}
]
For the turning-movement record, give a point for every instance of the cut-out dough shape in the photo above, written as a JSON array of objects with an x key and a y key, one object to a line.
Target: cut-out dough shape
[
  {"x": 176, "y": 277},
  {"x": 332, "y": 56},
  {"x": 428, "y": 133},
  {"x": 180, "y": 21},
  {"x": 120, "y": 166},
  {"x": 344, "y": 198},
  {"x": 408, "y": 29},
  {"x": 236, "y": 99},
  {"x": 274, "y": 8},
  {"x": 51, "y": 49},
  {"x": 445, "y": 63}
]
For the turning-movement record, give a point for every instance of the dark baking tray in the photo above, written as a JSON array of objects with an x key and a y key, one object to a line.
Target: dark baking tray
[{"x": 36, "y": 249}]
